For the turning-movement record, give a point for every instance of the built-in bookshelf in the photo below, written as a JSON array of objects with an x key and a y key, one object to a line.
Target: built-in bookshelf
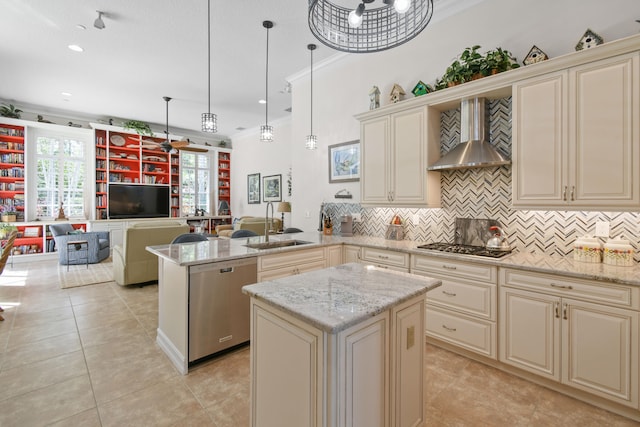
[
  {"x": 224, "y": 179},
  {"x": 12, "y": 169}
]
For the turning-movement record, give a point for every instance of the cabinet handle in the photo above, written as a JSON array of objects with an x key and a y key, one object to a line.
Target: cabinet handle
[
  {"x": 557, "y": 309},
  {"x": 564, "y": 194},
  {"x": 383, "y": 257},
  {"x": 573, "y": 192},
  {"x": 359, "y": 257},
  {"x": 449, "y": 267},
  {"x": 381, "y": 266},
  {"x": 564, "y": 311},
  {"x": 449, "y": 329},
  {"x": 449, "y": 294},
  {"x": 554, "y": 285}
]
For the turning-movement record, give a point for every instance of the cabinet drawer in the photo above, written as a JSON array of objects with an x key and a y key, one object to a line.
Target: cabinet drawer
[
  {"x": 385, "y": 257},
  {"x": 290, "y": 258},
  {"x": 290, "y": 270},
  {"x": 441, "y": 266},
  {"x": 474, "y": 335},
  {"x": 590, "y": 290},
  {"x": 473, "y": 298}
]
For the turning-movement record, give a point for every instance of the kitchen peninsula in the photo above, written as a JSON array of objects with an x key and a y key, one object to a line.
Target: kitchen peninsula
[{"x": 338, "y": 346}]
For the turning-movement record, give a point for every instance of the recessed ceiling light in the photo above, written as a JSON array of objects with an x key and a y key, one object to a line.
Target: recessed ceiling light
[
  {"x": 76, "y": 48},
  {"x": 81, "y": 27},
  {"x": 262, "y": 101},
  {"x": 66, "y": 94}
]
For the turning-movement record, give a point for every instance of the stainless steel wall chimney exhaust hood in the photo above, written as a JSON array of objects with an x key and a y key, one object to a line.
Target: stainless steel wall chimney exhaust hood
[{"x": 474, "y": 150}]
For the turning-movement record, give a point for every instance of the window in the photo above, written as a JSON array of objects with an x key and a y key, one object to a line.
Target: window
[
  {"x": 195, "y": 175},
  {"x": 61, "y": 175}
]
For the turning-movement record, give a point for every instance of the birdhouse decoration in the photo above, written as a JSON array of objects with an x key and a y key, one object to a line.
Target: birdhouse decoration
[
  {"x": 374, "y": 98},
  {"x": 421, "y": 88},
  {"x": 535, "y": 55},
  {"x": 589, "y": 39},
  {"x": 397, "y": 93}
]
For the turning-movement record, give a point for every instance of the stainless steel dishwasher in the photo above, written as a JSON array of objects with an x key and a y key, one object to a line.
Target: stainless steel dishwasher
[{"x": 218, "y": 310}]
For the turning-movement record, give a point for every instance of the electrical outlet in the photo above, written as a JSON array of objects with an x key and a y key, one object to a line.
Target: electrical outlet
[
  {"x": 307, "y": 214},
  {"x": 602, "y": 228},
  {"x": 357, "y": 217},
  {"x": 416, "y": 219}
]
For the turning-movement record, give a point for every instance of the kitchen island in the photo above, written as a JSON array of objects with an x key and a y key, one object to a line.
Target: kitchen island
[{"x": 338, "y": 346}]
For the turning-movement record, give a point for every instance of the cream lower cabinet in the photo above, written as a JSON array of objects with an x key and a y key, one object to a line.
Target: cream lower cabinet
[
  {"x": 572, "y": 331},
  {"x": 384, "y": 258},
  {"x": 463, "y": 311},
  {"x": 395, "y": 151},
  {"x": 576, "y": 137},
  {"x": 350, "y": 254},
  {"x": 288, "y": 263},
  {"x": 370, "y": 374}
]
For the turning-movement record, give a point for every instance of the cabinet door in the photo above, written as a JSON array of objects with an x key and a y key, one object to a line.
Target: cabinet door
[
  {"x": 530, "y": 332},
  {"x": 407, "y": 157},
  {"x": 600, "y": 350},
  {"x": 363, "y": 362},
  {"x": 351, "y": 254},
  {"x": 333, "y": 255},
  {"x": 407, "y": 365},
  {"x": 374, "y": 151},
  {"x": 605, "y": 157},
  {"x": 540, "y": 141}
]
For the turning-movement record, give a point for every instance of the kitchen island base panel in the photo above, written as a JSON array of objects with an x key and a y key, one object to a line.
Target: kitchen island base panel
[{"x": 371, "y": 373}]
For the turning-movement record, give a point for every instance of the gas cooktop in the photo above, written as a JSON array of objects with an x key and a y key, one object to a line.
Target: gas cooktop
[{"x": 464, "y": 249}]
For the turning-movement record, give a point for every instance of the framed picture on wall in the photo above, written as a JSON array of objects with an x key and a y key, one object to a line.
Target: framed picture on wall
[
  {"x": 272, "y": 188},
  {"x": 344, "y": 162},
  {"x": 253, "y": 188}
]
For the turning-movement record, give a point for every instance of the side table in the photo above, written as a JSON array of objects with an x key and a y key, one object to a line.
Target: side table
[{"x": 81, "y": 247}]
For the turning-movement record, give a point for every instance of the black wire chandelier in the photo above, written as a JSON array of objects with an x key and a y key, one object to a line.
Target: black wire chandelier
[{"x": 369, "y": 27}]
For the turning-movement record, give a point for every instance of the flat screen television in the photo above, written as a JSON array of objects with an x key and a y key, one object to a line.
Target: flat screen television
[{"x": 138, "y": 201}]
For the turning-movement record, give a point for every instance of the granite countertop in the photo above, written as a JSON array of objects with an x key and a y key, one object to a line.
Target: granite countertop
[
  {"x": 336, "y": 298},
  {"x": 188, "y": 254}
]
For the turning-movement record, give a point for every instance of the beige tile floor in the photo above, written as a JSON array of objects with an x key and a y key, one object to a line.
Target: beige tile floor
[{"x": 87, "y": 357}]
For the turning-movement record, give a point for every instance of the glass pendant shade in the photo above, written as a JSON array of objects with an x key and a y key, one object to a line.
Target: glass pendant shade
[
  {"x": 311, "y": 142},
  {"x": 266, "y": 133},
  {"x": 209, "y": 122}
]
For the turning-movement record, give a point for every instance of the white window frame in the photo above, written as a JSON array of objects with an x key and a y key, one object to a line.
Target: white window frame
[
  {"x": 51, "y": 131},
  {"x": 189, "y": 210}
]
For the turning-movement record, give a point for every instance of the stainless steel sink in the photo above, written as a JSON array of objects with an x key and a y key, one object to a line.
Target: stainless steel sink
[{"x": 276, "y": 244}]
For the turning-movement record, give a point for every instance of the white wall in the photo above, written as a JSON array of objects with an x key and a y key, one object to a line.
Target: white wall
[
  {"x": 340, "y": 90},
  {"x": 250, "y": 156}
]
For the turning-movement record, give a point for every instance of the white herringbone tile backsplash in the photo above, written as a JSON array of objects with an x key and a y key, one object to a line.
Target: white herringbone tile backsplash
[{"x": 486, "y": 193}]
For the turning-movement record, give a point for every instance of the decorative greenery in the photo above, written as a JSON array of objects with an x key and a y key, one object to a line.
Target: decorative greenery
[
  {"x": 473, "y": 65},
  {"x": 6, "y": 228},
  {"x": 141, "y": 128},
  {"x": 497, "y": 61},
  {"x": 7, "y": 210},
  {"x": 10, "y": 111}
]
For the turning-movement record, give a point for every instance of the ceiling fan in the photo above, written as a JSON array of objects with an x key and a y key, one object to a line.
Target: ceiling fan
[{"x": 168, "y": 145}]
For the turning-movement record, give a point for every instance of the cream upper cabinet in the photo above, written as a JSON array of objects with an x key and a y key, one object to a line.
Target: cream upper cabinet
[
  {"x": 576, "y": 137},
  {"x": 395, "y": 151},
  {"x": 560, "y": 329}
]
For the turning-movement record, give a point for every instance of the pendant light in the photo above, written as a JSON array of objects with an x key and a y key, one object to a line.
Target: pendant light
[
  {"x": 166, "y": 146},
  {"x": 209, "y": 120},
  {"x": 266, "y": 131},
  {"x": 372, "y": 26},
  {"x": 312, "y": 140}
]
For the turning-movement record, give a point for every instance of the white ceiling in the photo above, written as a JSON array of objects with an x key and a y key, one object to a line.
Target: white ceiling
[{"x": 150, "y": 49}]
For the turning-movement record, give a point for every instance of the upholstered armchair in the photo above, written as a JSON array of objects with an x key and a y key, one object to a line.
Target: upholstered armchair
[{"x": 98, "y": 242}]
